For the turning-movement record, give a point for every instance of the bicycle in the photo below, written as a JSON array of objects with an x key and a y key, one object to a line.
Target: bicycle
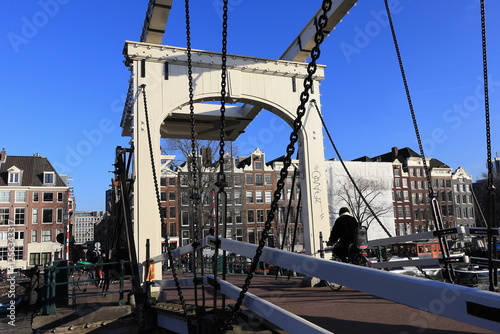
[{"x": 357, "y": 256}]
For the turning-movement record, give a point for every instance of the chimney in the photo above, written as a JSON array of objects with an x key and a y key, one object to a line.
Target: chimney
[
  {"x": 395, "y": 152},
  {"x": 3, "y": 155}
]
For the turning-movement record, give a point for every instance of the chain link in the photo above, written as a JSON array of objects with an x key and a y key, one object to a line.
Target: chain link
[
  {"x": 486, "y": 97},
  {"x": 432, "y": 194},
  {"x": 193, "y": 167},
  {"x": 287, "y": 161},
  {"x": 158, "y": 201}
]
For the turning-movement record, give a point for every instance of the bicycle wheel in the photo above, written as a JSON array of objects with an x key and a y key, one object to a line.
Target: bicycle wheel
[{"x": 332, "y": 285}]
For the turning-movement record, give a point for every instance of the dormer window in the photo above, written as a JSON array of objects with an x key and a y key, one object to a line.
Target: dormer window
[
  {"x": 15, "y": 175},
  {"x": 48, "y": 178}
]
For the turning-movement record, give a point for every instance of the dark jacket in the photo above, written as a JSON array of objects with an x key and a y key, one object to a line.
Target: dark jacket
[{"x": 343, "y": 231}]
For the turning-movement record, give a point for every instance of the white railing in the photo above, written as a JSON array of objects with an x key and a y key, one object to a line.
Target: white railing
[{"x": 473, "y": 306}]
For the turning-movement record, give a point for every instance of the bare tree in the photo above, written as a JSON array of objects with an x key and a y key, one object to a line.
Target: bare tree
[{"x": 371, "y": 191}]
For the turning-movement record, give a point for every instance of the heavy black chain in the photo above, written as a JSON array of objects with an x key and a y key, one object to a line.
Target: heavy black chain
[
  {"x": 486, "y": 96},
  {"x": 195, "y": 192},
  {"x": 221, "y": 208},
  {"x": 158, "y": 201},
  {"x": 410, "y": 104},
  {"x": 491, "y": 186},
  {"x": 432, "y": 194},
  {"x": 290, "y": 149}
]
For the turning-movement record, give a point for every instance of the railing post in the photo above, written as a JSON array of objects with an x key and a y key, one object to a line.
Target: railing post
[{"x": 121, "y": 301}]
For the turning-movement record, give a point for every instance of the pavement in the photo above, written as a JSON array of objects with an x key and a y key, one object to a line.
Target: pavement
[{"x": 341, "y": 312}]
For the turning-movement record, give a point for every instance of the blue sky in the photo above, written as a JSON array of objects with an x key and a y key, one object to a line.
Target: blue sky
[{"x": 64, "y": 80}]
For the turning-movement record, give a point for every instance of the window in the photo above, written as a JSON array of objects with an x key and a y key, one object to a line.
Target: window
[
  {"x": 268, "y": 179},
  {"x": 237, "y": 217},
  {"x": 260, "y": 215},
  {"x": 185, "y": 237},
  {"x": 172, "y": 229},
  {"x": 405, "y": 183},
  {"x": 18, "y": 252},
  {"x": 19, "y": 216},
  {"x": 397, "y": 182},
  {"x": 171, "y": 196},
  {"x": 4, "y": 216},
  {"x": 239, "y": 234},
  {"x": 258, "y": 165},
  {"x": 399, "y": 196},
  {"x": 35, "y": 259},
  {"x": 251, "y": 235},
  {"x": 14, "y": 177},
  {"x": 249, "y": 195},
  {"x": 172, "y": 212},
  {"x": 34, "y": 216},
  {"x": 4, "y": 196},
  {"x": 20, "y": 197},
  {"x": 171, "y": 181},
  {"x": 407, "y": 212},
  {"x": 237, "y": 197},
  {"x": 35, "y": 197},
  {"x": 450, "y": 210},
  {"x": 400, "y": 212},
  {"x": 269, "y": 196},
  {"x": 249, "y": 179},
  {"x": 163, "y": 196},
  {"x": 184, "y": 198},
  {"x": 47, "y": 216},
  {"x": 405, "y": 196},
  {"x": 184, "y": 218},
  {"x": 48, "y": 178},
  {"x": 397, "y": 172},
  {"x": 46, "y": 258},
  {"x": 46, "y": 235},
  {"x": 237, "y": 180},
  {"x": 163, "y": 182},
  {"x": 34, "y": 235},
  {"x": 59, "y": 197},
  {"x": 258, "y": 180},
  {"x": 250, "y": 216},
  {"x": 59, "y": 215},
  {"x": 258, "y": 197},
  {"x": 48, "y": 197}
]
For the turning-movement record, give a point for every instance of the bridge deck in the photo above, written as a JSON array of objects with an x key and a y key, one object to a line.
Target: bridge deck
[{"x": 344, "y": 311}]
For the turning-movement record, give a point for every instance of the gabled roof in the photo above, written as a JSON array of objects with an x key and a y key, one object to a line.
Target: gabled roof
[
  {"x": 33, "y": 169},
  {"x": 401, "y": 154},
  {"x": 362, "y": 159}
]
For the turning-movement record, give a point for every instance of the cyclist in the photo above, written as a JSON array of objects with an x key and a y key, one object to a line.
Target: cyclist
[{"x": 343, "y": 234}]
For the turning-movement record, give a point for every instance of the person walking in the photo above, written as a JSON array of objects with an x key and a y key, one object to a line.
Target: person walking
[{"x": 343, "y": 234}]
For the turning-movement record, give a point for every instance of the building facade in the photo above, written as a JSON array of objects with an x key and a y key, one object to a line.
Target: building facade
[
  {"x": 84, "y": 223},
  {"x": 35, "y": 202}
]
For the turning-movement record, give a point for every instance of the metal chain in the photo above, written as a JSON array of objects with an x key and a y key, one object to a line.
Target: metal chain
[
  {"x": 158, "y": 201},
  {"x": 491, "y": 186},
  {"x": 486, "y": 97},
  {"x": 287, "y": 161},
  {"x": 221, "y": 215},
  {"x": 432, "y": 194},
  {"x": 357, "y": 188},
  {"x": 410, "y": 104},
  {"x": 195, "y": 193}
]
